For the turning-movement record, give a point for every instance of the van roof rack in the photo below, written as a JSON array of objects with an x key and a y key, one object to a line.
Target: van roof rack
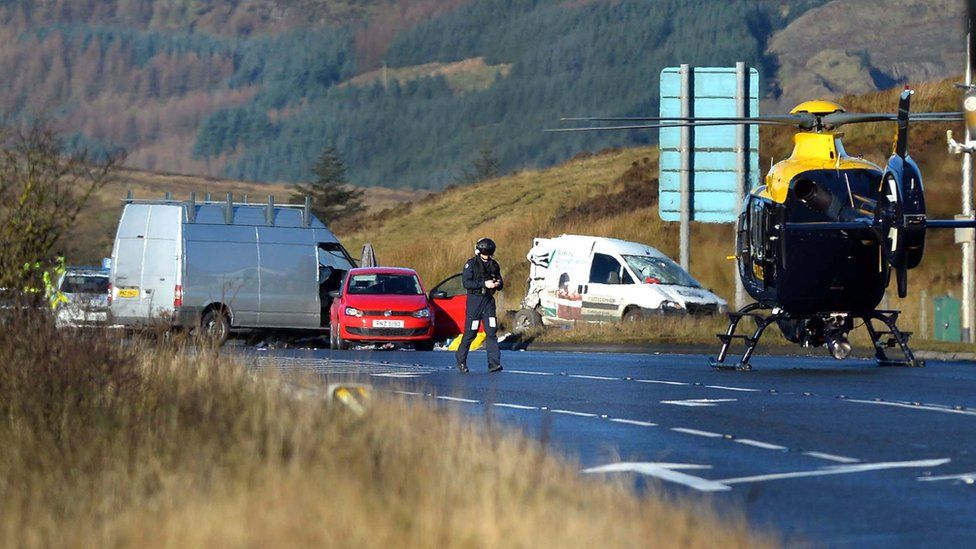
[{"x": 228, "y": 205}]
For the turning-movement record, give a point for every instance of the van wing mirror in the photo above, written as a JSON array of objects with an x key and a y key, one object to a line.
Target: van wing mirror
[{"x": 438, "y": 294}]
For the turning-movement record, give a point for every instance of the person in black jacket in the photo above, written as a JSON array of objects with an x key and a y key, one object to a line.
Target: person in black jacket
[{"x": 482, "y": 277}]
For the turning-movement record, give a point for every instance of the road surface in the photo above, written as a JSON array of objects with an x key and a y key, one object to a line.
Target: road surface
[{"x": 819, "y": 451}]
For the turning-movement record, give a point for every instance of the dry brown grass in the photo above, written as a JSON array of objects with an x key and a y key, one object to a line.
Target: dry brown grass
[{"x": 109, "y": 444}]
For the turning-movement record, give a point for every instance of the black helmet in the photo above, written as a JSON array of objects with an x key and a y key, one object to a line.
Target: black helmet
[{"x": 485, "y": 246}]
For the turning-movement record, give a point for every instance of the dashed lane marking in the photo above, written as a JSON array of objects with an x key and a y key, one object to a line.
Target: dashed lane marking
[
  {"x": 759, "y": 444},
  {"x": 694, "y": 402},
  {"x": 456, "y": 399},
  {"x": 662, "y": 382},
  {"x": 915, "y": 406},
  {"x": 633, "y": 422},
  {"x": 696, "y": 432},
  {"x": 831, "y": 457},
  {"x": 529, "y": 373},
  {"x": 515, "y": 406},
  {"x": 331, "y": 366},
  {"x": 724, "y": 388},
  {"x": 572, "y": 413},
  {"x": 601, "y": 378}
]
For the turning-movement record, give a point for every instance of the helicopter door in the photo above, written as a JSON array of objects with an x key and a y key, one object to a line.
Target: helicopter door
[{"x": 758, "y": 223}]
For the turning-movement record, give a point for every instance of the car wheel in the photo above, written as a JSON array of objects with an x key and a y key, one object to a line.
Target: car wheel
[
  {"x": 333, "y": 344},
  {"x": 526, "y": 320},
  {"x": 633, "y": 315},
  {"x": 215, "y": 327},
  {"x": 426, "y": 345}
]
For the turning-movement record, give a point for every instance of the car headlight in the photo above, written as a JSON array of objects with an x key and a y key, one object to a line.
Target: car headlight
[
  {"x": 352, "y": 311},
  {"x": 667, "y": 305},
  {"x": 422, "y": 313}
]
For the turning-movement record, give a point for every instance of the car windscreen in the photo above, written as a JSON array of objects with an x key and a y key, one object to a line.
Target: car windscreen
[
  {"x": 659, "y": 270},
  {"x": 82, "y": 284},
  {"x": 376, "y": 284}
]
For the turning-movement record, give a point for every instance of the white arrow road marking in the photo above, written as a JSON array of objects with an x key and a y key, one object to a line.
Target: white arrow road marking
[
  {"x": 698, "y": 401},
  {"x": 839, "y": 470},
  {"x": 968, "y": 478},
  {"x": 664, "y": 471},
  {"x": 910, "y": 406}
]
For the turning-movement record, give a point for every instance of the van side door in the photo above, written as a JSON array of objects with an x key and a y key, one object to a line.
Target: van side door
[{"x": 605, "y": 291}]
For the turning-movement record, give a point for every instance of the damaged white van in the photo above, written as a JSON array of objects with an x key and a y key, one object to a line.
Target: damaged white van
[{"x": 592, "y": 279}]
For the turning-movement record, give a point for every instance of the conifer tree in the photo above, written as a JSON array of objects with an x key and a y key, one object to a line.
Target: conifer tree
[{"x": 332, "y": 198}]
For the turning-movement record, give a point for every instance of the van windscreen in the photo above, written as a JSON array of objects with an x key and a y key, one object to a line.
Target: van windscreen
[{"x": 659, "y": 270}]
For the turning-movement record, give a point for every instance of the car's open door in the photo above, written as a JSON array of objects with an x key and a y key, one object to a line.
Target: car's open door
[{"x": 448, "y": 300}]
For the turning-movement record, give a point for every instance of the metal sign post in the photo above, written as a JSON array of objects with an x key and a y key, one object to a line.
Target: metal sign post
[
  {"x": 686, "y": 152},
  {"x": 742, "y": 166}
]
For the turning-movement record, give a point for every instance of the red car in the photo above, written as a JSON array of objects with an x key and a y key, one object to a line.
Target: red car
[{"x": 381, "y": 305}]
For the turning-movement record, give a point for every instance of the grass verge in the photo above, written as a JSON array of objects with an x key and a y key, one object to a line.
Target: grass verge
[{"x": 106, "y": 444}]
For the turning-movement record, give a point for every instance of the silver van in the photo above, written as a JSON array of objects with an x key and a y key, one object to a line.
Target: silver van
[{"x": 224, "y": 266}]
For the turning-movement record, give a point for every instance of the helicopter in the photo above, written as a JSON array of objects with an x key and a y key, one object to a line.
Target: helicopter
[{"x": 818, "y": 243}]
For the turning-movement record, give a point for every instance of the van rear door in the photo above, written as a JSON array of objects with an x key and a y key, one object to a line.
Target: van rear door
[{"x": 146, "y": 262}]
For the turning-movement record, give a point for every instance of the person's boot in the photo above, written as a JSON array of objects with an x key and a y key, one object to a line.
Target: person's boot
[
  {"x": 492, "y": 368},
  {"x": 462, "y": 367}
]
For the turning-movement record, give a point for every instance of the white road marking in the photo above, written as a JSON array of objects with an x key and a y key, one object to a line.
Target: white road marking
[
  {"x": 396, "y": 375},
  {"x": 601, "y": 378},
  {"x": 831, "y": 457},
  {"x": 633, "y": 422},
  {"x": 516, "y": 406},
  {"x": 526, "y": 372},
  {"x": 660, "y": 381},
  {"x": 910, "y": 406},
  {"x": 572, "y": 413},
  {"x": 839, "y": 470},
  {"x": 407, "y": 393},
  {"x": 696, "y": 432},
  {"x": 968, "y": 478},
  {"x": 664, "y": 471},
  {"x": 698, "y": 401},
  {"x": 456, "y": 399},
  {"x": 724, "y": 388},
  {"x": 759, "y": 444}
]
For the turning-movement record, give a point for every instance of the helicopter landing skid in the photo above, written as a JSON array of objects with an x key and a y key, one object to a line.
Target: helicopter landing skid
[
  {"x": 881, "y": 339},
  {"x": 762, "y": 322},
  {"x": 891, "y": 337}
]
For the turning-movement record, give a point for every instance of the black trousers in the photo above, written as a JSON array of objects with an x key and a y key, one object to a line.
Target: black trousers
[{"x": 479, "y": 311}]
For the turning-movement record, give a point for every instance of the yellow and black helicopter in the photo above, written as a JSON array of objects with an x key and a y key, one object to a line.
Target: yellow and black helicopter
[{"x": 818, "y": 243}]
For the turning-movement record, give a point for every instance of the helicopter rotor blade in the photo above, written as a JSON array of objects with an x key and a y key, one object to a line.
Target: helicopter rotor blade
[
  {"x": 785, "y": 119},
  {"x": 654, "y": 126},
  {"x": 838, "y": 119}
]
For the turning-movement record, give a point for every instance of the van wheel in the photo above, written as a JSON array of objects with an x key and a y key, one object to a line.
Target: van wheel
[
  {"x": 526, "y": 320},
  {"x": 633, "y": 315},
  {"x": 215, "y": 327}
]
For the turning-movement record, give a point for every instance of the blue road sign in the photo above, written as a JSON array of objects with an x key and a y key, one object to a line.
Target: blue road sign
[{"x": 713, "y": 179}]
